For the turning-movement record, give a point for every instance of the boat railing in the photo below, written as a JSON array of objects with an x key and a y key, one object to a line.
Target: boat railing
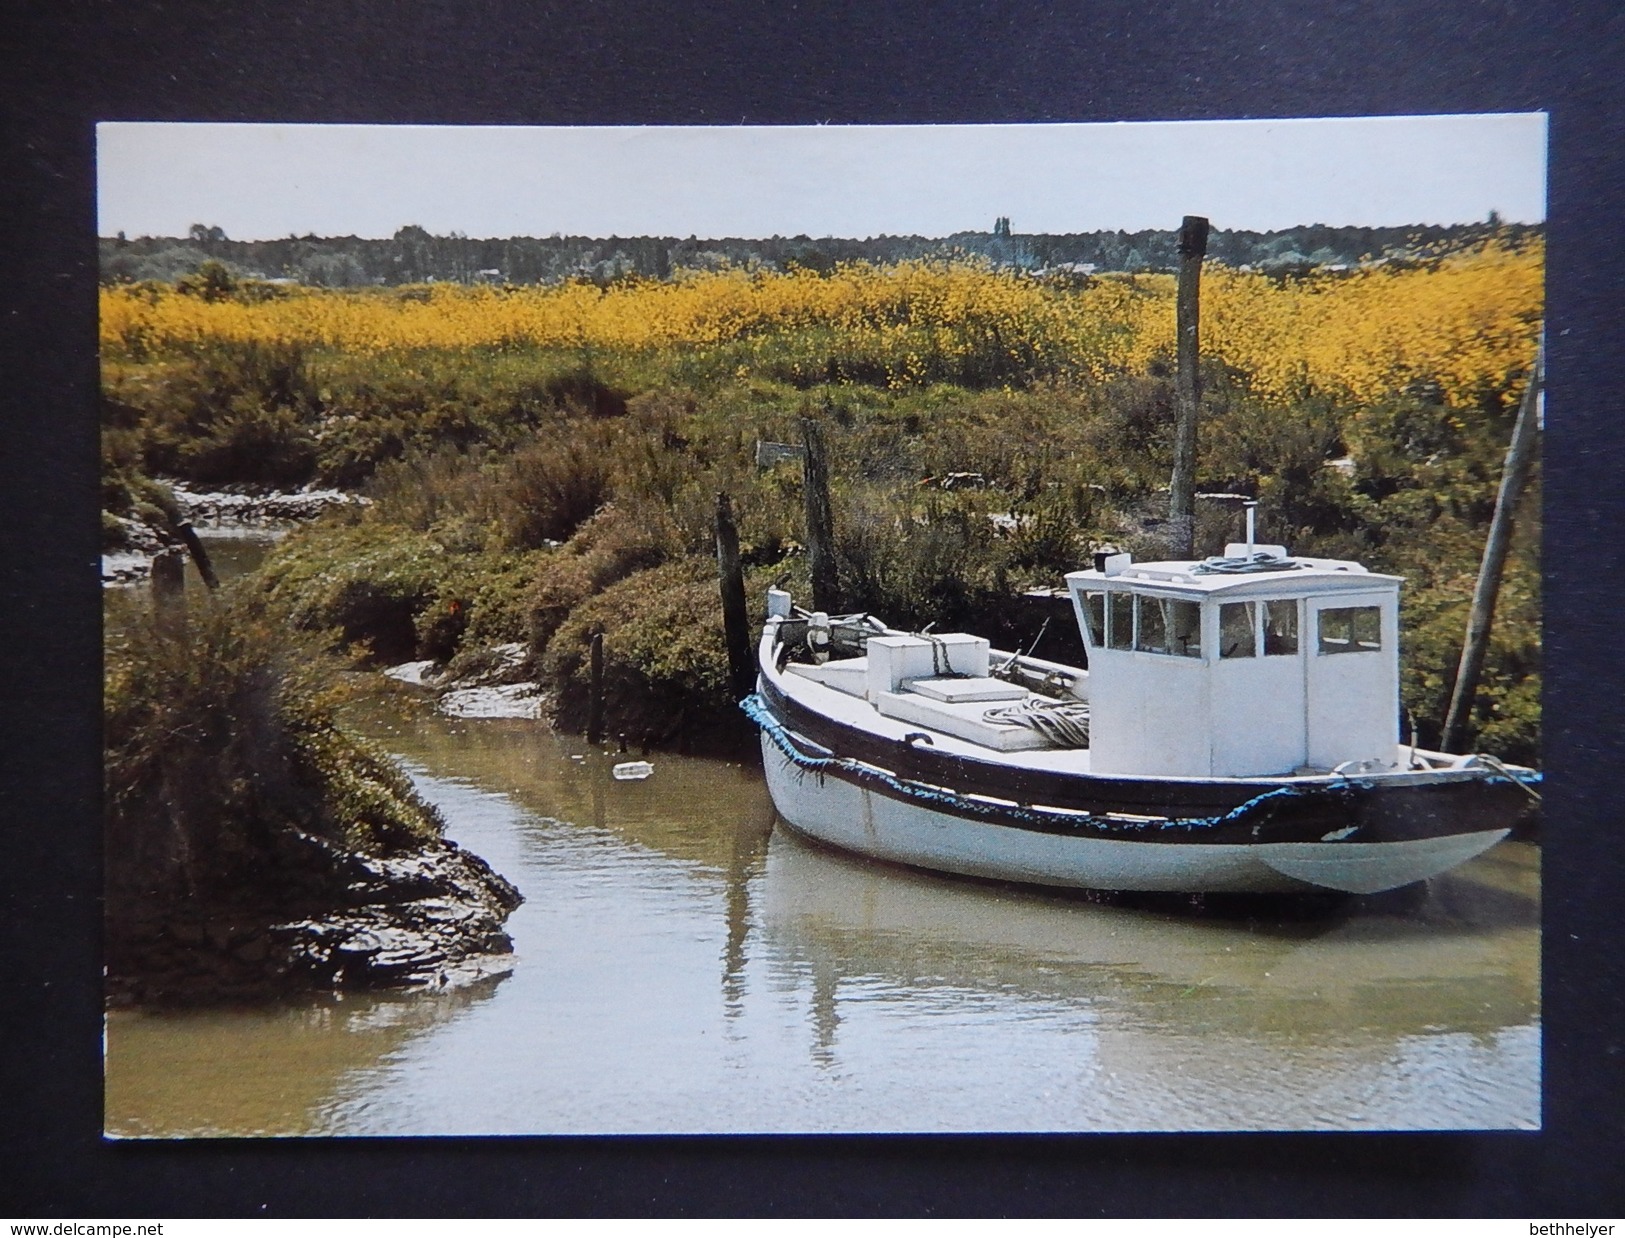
[
  {"x": 841, "y": 635},
  {"x": 1039, "y": 675},
  {"x": 849, "y": 636}
]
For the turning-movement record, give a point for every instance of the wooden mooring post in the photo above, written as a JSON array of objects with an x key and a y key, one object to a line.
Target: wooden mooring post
[
  {"x": 1514, "y": 476},
  {"x": 169, "y": 588},
  {"x": 595, "y": 690},
  {"x": 735, "y": 620},
  {"x": 200, "y": 556},
  {"x": 1187, "y": 387},
  {"x": 820, "y": 523}
]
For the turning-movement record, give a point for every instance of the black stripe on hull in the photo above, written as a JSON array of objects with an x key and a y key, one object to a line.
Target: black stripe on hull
[{"x": 1356, "y": 811}]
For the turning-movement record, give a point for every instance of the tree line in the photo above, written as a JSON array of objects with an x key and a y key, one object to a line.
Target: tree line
[{"x": 414, "y": 255}]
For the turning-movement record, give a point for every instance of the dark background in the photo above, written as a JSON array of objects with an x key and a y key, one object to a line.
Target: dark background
[{"x": 68, "y": 65}]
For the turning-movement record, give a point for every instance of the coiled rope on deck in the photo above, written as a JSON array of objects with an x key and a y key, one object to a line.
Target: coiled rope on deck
[
  {"x": 1065, "y": 724},
  {"x": 1260, "y": 561}
]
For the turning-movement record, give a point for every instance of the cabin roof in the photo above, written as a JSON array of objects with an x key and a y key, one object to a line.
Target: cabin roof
[{"x": 1181, "y": 576}]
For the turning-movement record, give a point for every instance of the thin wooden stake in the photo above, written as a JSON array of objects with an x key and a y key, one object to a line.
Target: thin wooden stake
[
  {"x": 169, "y": 589},
  {"x": 1514, "y": 476},
  {"x": 200, "y": 556},
  {"x": 820, "y": 523},
  {"x": 735, "y": 620},
  {"x": 595, "y": 690},
  {"x": 1187, "y": 388}
]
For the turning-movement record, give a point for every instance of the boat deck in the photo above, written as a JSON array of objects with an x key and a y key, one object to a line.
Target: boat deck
[{"x": 834, "y": 689}]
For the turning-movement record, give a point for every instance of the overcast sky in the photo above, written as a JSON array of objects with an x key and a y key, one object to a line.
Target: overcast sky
[{"x": 264, "y": 181}]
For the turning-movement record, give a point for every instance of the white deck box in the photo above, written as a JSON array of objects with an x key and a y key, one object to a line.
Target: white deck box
[{"x": 894, "y": 659}]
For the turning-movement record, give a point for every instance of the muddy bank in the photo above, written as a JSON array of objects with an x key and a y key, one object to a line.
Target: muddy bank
[
  {"x": 224, "y": 509},
  {"x": 427, "y": 919},
  {"x": 130, "y": 544},
  {"x": 493, "y": 683}
]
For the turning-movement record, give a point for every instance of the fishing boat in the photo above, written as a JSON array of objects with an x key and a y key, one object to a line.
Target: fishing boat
[{"x": 1237, "y": 729}]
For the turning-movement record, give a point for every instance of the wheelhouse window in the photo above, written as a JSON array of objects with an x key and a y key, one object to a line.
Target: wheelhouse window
[
  {"x": 1121, "y": 633},
  {"x": 1351, "y": 629},
  {"x": 1094, "y": 615},
  {"x": 1238, "y": 635},
  {"x": 1280, "y": 628},
  {"x": 1169, "y": 626}
]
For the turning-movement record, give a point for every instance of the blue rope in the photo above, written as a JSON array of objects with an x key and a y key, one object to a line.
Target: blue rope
[
  {"x": 756, "y": 709},
  {"x": 951, "y": 801}
]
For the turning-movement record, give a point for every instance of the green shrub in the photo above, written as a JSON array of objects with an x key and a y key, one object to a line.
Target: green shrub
[
  {"x": 231, "y": 412},
  {"x": 395, "y": 593},
  {"x": 1048, "y": 538},
  {"x": 212, "y": 281},
  {"x": 434, "y": 490},
  {"x": 115, "y": 534},
  {"x": 665, "y": 659},
  {"x": 392, "y": 592},
  {"x": 605, "y": 551},
  {"x": 553, "y": 486},
  {"x": 913, "y": 566},
  {"x": 390, "y": 406},
  {"x": 221, "y": 748},
  {"x": 500, "y": 586},
  {"x": 1440, "y": 574}
]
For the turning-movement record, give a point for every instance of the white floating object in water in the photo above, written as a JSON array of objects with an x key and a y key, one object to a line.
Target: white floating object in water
[{"x": 631, "y": 771}]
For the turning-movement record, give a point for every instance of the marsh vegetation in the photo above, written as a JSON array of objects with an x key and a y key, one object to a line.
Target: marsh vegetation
[{"x": 544, "y": 460}]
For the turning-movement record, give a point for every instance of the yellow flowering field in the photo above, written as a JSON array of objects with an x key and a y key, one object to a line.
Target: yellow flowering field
[{"x": 1467, "y": 322}]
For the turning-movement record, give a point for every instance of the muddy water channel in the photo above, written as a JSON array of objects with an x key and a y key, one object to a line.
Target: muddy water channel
[{"x": 687, "y": 964}]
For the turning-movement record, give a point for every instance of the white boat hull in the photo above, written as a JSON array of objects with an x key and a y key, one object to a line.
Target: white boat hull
[{"x": 843, "y": 814}]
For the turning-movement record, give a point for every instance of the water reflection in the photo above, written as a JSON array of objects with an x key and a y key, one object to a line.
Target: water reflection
[
  {"x": 750, "y": 838},
  {"x": 1409, "y": 1011},
  {"x": 1466, "y": 942}
]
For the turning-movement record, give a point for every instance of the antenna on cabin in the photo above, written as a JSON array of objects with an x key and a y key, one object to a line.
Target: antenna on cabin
[{"x": 1252, "y": 506}]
